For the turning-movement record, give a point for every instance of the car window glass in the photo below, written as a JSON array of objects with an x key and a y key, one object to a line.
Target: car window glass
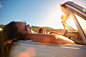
[{"x": 82, "y": 22}]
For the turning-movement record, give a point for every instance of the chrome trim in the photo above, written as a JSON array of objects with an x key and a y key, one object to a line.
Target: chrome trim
[
  {"x": 81, "y": 32},
  {"x": 76, "y": 10}
]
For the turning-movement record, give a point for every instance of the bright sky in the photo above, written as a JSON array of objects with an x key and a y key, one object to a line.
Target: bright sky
[{"x": 34, "y": 12}]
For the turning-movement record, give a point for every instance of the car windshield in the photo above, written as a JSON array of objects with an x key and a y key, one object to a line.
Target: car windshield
[{"x": 81, "y": 21}]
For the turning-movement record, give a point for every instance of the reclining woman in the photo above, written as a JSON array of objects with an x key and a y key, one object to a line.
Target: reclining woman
[
  {"x": 18, "y": 30},
  {"x": 41, "y": 30}
]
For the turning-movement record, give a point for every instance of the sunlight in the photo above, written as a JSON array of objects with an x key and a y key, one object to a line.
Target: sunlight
[
  {"x": 71, "y": 23},
  {"x": 67, "y": 40},
  {"x": 53, "y": 19},
  {"x": 81, "y": 21}
]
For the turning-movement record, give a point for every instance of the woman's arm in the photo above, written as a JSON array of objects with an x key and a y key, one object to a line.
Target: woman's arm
[{"x": 49, "y": 38}]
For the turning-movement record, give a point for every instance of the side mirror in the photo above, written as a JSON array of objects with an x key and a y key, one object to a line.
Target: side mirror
[
  {"x": 64, "y": 18},
  {"x": 64, "y": 10}
]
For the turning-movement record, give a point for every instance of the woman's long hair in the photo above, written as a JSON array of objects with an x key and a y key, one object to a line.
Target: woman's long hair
[
  {"x": 8, "y": 36},
  {"x": 40, "y": 30}
]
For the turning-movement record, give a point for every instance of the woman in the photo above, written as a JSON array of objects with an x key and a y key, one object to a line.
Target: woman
[
  {"x": 41, "y": 30},
  {"x": 20, "y": 30}
]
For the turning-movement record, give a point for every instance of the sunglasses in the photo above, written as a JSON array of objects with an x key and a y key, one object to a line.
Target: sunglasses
[{"x": 26, "y": 27}]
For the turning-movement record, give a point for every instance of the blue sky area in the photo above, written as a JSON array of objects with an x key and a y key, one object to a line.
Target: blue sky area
[{"x": 34, "y": 12}]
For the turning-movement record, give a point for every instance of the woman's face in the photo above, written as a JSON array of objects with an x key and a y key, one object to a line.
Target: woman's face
[{"x": 21, "y": 28}]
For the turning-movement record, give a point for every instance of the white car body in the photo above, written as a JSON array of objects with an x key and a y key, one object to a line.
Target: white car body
[{"x": 28, "y": 48}]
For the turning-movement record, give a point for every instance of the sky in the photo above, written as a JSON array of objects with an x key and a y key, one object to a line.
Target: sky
[{"x": 34, "y": 12}]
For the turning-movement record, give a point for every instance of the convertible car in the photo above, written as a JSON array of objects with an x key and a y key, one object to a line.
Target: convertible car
[{"x": 28, "y": 48}]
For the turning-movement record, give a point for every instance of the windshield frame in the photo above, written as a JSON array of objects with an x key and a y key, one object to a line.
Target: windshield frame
[{"x": 71, "y": 10}]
